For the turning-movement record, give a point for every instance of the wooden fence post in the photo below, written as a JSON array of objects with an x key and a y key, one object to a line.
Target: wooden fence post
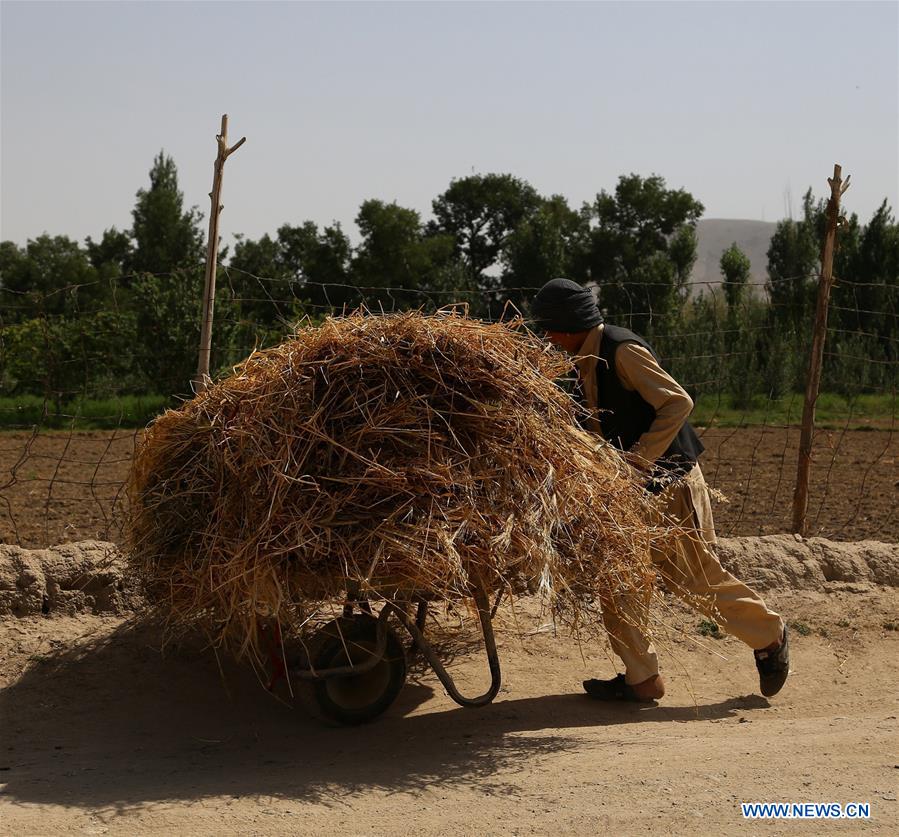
[
  {"x": 813, "y": 381},
  {"x": 201, "y": 380}
]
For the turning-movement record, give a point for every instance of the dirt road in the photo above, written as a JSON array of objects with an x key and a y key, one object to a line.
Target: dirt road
[{"x": 101, "y": 735}]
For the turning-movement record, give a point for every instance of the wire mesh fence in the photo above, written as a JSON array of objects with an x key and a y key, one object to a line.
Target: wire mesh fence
[{"x": 85, "y": 367}]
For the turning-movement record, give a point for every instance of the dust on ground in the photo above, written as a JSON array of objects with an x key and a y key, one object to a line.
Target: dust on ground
[{"x": 104, "y": 734}]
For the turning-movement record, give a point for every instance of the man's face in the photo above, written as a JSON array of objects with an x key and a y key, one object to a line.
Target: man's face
[{"x": 570, "y": 341}]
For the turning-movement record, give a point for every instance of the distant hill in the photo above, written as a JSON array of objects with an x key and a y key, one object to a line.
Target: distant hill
[{"x": 715, "y": 235}]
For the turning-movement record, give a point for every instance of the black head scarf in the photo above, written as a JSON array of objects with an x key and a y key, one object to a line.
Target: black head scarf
[{"x": 563, "y": 305}]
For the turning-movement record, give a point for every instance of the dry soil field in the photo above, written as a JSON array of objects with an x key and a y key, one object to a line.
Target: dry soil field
[{"x": 66, "y": 484}]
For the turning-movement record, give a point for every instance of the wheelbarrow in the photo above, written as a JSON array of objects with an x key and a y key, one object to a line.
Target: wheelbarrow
[{"x": 356, "y": 665}]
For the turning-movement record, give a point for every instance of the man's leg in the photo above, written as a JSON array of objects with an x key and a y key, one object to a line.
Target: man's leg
[
  {"x": 624, "y": 620},
  {"x": 692, "y": 570}
]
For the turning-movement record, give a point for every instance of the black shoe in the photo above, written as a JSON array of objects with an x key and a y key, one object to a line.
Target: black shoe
[
  {"x": 774, "y": 667},
  {"x": 614, "y": 689}
]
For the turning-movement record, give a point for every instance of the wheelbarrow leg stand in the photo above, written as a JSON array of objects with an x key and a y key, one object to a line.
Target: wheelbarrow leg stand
[
  {"x": 483, "y": 606},
  {"x": 354, "y": 596}
]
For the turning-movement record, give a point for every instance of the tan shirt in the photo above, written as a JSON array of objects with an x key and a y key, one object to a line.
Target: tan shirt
[{"x": 638, "y": 370}]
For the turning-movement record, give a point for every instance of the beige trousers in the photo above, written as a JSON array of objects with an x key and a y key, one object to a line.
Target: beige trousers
[{"x": 690, "y": 569}]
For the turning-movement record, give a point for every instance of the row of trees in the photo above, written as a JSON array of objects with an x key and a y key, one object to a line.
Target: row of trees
[
  {"x": 747, "y": 344},
  {"x": 121, "y": 315}
]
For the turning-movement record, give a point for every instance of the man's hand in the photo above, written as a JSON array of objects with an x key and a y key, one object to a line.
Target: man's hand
[{"x": 651, "y": 478}]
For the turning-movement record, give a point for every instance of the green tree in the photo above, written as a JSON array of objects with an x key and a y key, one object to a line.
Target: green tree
[
  {"x": 395, "y": 254},
  {"x": 877, "y": 270},
  {"x": 61, "y": 358},
  {"x": 33, "y": 356},
  {"x": 682, "y": 255},
  {"x": 639, "y": 246},
  {"x": 480, "y": 213},
  {"x": 735, "y": 270},
  {"x": 12, "y": 303},
  {"x": 167, "y": 309},
  {"x": 50, "y": 276},
  {"x": 166, "y": 237},
  {"x": 864, "y": 335},
  {"x": 259, "y": 282},
  {"x": 111, "y": 254},
  {"x": 696, "y": 356},
  {"x": 540, "y": 247},
  {"x": 271, "y": 283},
  {"x": 793, "y": 261},
  {"x": 319, "y": 260}
]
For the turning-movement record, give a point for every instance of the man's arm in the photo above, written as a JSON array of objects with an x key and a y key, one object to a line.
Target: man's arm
[{"x": 637, "y": 369}]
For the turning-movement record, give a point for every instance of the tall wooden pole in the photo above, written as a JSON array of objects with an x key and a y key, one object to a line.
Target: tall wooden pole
[
  {"x": 813, "y": 381},
  {"x": 201, "y": 380}
]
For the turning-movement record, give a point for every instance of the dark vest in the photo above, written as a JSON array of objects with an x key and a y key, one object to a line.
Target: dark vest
[{"x": 625, "y": 416}]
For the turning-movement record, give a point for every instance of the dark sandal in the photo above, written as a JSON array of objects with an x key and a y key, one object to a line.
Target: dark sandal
[
  {"x": 773, "y": 667},
  {"x": 614, "y": 689}
]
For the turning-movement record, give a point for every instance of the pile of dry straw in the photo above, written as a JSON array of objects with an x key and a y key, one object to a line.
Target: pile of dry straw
[{"x": 405, "y": 453}]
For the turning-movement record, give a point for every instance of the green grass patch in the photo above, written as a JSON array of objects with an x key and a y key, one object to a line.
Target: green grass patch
[
  {"x": 26, "y": 411},
  {"x": 800, "y": 628},
  {"x": 709, "y": 628},
  {"x": 832, "y": 411}
]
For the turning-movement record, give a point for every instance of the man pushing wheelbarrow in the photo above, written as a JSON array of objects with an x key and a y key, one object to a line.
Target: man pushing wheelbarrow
[{"x": 639, "y": 408}]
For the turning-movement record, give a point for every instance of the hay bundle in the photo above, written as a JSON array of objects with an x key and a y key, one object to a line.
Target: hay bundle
[{"x": 402, "y": 453}]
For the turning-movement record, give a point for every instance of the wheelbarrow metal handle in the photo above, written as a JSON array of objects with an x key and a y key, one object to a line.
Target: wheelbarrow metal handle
[{"x": 483, "y": 605}]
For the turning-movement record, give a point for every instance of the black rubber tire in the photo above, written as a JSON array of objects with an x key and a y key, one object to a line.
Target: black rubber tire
[{"x": 359, "y": 698}]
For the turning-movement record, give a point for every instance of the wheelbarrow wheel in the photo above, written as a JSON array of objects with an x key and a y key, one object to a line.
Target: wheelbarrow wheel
[{"x": 355, "y": 699}]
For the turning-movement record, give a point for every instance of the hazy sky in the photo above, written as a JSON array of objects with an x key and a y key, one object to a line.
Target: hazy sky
[{"x": 740, "y": 103}]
